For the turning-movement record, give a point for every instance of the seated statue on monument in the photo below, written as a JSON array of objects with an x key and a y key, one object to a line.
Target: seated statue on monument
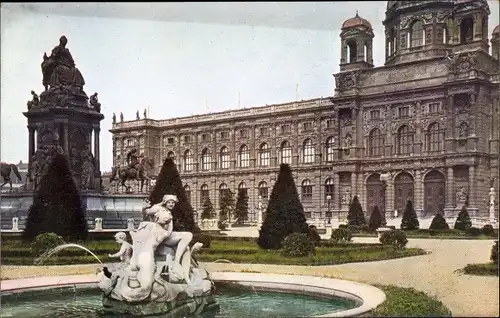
[
  {"x": 63, "y": 82},
  {"x": 148, "y": 285}
]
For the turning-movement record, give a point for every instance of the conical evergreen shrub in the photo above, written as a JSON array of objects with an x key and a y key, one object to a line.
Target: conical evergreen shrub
[
  {"x": 376, "y": 219},
  {"x": 208, "y": 211},
  {"x": 439, "y": 223},
  {"x": 241, "y": 210},
  {"x": 410, "y": 219},
  {"x": 169, "y": 182},
  {"x": 57, "y": 206},
  {"x": 284, "y": 213},
  {"x": 463, "y": 221},
  {"x": 356, "y": 217}
]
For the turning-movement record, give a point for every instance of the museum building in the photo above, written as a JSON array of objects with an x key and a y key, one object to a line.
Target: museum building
[{"x": 422, "y": 127}]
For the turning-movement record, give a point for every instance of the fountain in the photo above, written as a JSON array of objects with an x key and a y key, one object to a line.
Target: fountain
[{"x": 160, "y": 276}]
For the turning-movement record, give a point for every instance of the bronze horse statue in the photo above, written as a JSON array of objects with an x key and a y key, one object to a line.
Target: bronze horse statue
[
  {"x": 139, "y": 172},
  {"x": 5, "y": 170}
]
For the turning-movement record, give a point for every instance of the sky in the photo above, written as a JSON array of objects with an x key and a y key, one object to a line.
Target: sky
[{"x": 177, "y": 59}]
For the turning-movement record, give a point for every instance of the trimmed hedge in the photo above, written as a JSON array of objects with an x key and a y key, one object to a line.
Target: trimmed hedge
[{"x": 488, "y": 269}]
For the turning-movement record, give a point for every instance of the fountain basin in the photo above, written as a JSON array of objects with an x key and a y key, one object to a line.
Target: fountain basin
[{"x": 318, "y": 293}]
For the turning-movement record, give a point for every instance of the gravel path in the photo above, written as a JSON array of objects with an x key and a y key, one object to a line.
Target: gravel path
[{"x": 473, "y": 296}]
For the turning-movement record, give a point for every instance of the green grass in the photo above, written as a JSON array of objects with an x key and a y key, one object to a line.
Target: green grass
[
  {"x": 437, "y": 234},
  {"x": 485, "y": 269},
  {"x": 408, "y": 302},
  {"x": 237, "y": 251}
]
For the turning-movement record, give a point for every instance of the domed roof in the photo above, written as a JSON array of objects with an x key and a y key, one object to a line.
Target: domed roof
[
  {"x": 356, "y": 21},
  {"x": 496, "y": 30}
]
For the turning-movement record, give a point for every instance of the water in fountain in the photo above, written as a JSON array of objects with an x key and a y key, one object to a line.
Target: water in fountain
[{"x": 61, "y": 247}]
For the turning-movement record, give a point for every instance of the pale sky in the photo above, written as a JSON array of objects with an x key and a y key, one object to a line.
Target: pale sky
[{"x": 261, "y": 50}]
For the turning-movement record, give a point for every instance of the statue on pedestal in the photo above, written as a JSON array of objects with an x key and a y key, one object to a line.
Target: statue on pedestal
[
  {"x": 63, "y": 82},
  {"x": 147, "y": 283}
]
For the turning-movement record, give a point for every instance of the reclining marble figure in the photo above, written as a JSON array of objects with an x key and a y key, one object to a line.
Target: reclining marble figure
[{"x": 143, "y": 280}]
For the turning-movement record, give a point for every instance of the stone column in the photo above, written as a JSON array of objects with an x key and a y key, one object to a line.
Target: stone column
[
  {"x": 31, "y": 141},
  {"x": 343, "y": 52},
  {"x": 354, "y": 188},
  {"x": 65, "y": 138},
  {"x": 419, "y": 191},
  {"x": 96, "y": 148},
  {"x": 449, "y": 189},
  {"x": 337, "y": 191},
  {"x": 472, "y": 187},
  {"x": 389, "y": 198}
]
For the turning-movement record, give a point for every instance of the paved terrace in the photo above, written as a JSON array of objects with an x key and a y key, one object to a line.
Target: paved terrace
[{"x": 472, "y": 296}]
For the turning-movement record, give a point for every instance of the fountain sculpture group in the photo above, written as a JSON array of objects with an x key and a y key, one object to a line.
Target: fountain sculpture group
[{"x": 157, "y": 273}]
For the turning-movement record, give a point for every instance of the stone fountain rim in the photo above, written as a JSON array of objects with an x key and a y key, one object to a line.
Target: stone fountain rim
[{"x": 368, "y": 297}]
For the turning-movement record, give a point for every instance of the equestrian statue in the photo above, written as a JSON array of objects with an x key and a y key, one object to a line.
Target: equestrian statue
[
  {"x": 135, "y": 170},
  {"x": 5, "y": 170}
]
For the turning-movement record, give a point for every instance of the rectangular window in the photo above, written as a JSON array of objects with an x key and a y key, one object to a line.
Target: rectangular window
[
  {"x": 170, "y": 140},
  {"x": 224, "y": 135},
  {"x": 329, "y": 123},
  {"x": 375, "y": 114},
  {"x": 403, "y": 112},
  {"x": 434, "y": 108},
  {"x": 187, "y": 139},
  {"x": 307, "y": 126},
  {"x": 285, "y": 129},
  {"x": 205, "y": 137},
  {"x": 264, "y": 131},
  {"x": 243, "y": 133}
]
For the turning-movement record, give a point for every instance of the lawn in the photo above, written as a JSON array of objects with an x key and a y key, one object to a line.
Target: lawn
[
  {"x": 15, "y": 252},
  {"x": 408, "y": 302}
]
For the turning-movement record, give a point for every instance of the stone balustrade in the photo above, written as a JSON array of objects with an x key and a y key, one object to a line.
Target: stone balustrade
[{"x": 209, "y": 224}]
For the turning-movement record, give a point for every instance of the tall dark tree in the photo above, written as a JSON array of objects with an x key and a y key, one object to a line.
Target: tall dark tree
[
  {"x": 57, "y": 206},
  {"x": 241, "y": 210},
  {"x": 376, "y": 219},
  {"x": 226, "y": 206},
  {"x": 207, "y": 210},
  {"x": 284, "y": 213},
  {"x": 463, "y": 221},
  {"x": 169, "y": 182},
  {"x": 355, "y": 215},
  {"x": 410, "y": 219}
]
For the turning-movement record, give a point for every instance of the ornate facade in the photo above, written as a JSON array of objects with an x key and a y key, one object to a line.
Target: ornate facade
[{"x": 423, "y": 127}]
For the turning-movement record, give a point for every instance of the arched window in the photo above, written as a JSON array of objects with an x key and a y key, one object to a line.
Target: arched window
[
  {"x": 404, "y": 140},
  {"x": 329, "y": 188},
  {"x": 308, "y": 151},
  {"x": 376, "y": 143},
  {"x": 286, "y": 152},
  {"x": 204, "y": 194},
  {"x": 225, "y": 158},
  {"x": 435, "y": 138},
  {"x": 306, "y": 193},
  {"x": 243, "y": 188},
  {"x": 264, "y": 155},
  {"x": 223, "y": 190},
  {"x": 391, "y": 39},
  {"x": 352, "y": 51},
  {"x": 263, "y": 191},
  {"x": 244, "y": 157},
  {"x": 187, "y": 190},
  {"x": 188, "y": 161},
  {"x": 330, "y": 145},
  {"x": 466, "y": 30},
  {"x": 417, "y": 34},
  {"x": 206, "y": 161}
]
